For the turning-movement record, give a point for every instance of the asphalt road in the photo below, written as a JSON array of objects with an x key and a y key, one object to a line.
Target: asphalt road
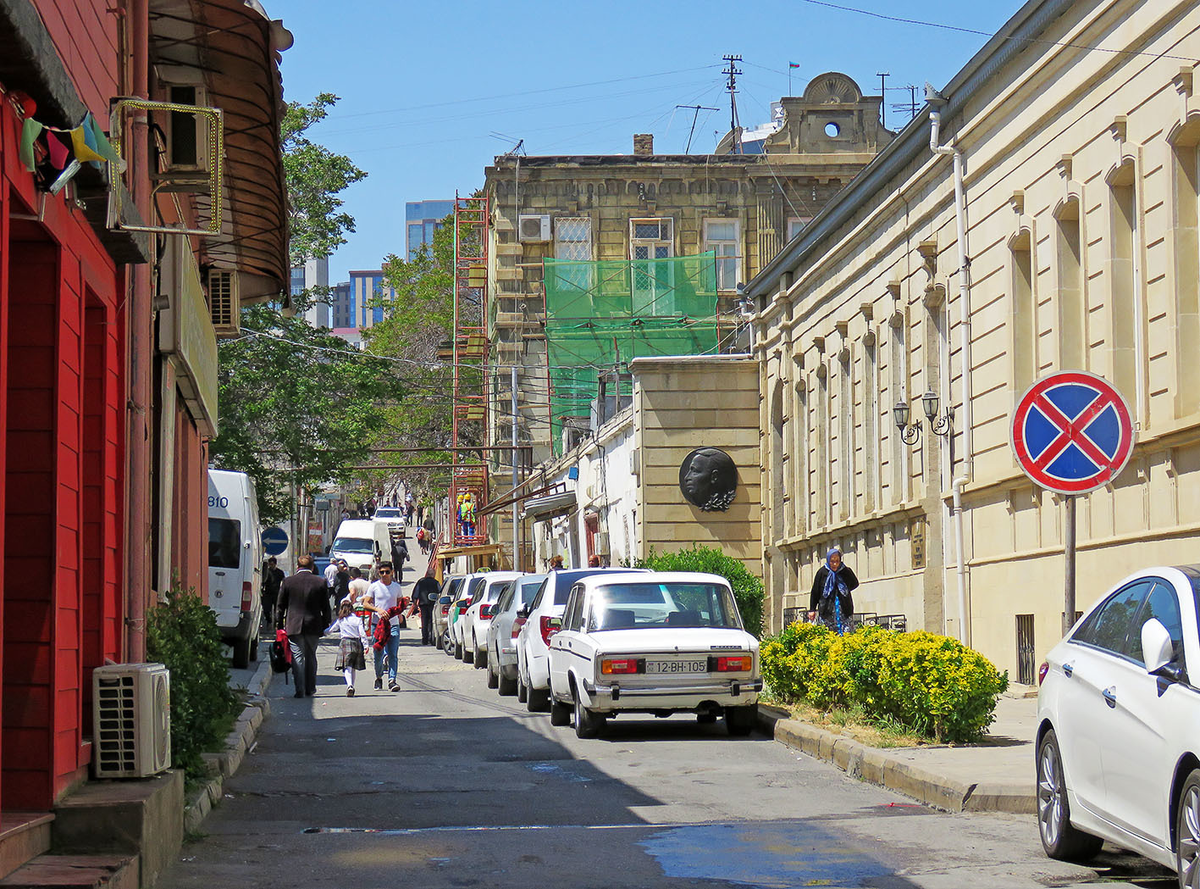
[{"x": 445, "y": 784}]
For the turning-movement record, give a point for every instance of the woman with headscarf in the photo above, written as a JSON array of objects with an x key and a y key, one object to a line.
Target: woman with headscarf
[{"x": 831, "y": 602}]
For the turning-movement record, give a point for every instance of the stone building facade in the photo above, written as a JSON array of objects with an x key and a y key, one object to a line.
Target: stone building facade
[
  {"x": 1078, "y": 126},
  {"x": 742, "y": 206}
]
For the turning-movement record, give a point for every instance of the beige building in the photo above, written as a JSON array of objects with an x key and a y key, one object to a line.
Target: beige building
[
  {"x": 1078, "y": 129},
  {"x": 617, "y": 494}
]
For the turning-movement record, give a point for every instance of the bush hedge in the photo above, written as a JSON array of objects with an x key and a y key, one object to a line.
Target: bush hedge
[
  {"x": 930, "y": 684},
  {"x": 747, "y": 589},
  {"x": 182, "y": 634}
]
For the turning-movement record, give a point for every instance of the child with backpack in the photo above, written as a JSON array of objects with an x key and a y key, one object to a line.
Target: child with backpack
[{"x": 352, "y": 652}]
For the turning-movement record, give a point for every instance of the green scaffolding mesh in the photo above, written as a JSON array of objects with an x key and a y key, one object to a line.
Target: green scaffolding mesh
[{"x": 600, "y": 315}]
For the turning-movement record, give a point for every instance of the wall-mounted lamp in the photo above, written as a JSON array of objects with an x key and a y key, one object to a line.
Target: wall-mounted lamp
[{"x": 938, "y": 425}]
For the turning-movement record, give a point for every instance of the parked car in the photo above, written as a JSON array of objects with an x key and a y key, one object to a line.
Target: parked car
[
  {"x": 235, "y": 562},
  {"x": 502, "y": 633},
  {"x": 392, "y": 518},
  {"x": 533, "y": 642},
  {"x": 441, "y": 610},
  {"x": 472, "y": 586},
  {"x": 478, "y": 616},
  {"x": 1118, "y": 756},
  {"x": 659, "y": 643}
]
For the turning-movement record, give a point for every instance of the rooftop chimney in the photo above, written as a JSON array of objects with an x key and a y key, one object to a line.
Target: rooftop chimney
[{"x": 643, "y": 144}]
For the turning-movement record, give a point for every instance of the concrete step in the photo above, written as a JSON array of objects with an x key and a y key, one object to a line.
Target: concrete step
[
  {"x": 23, "y": 837},
  {"x": 75, "y": 872}
]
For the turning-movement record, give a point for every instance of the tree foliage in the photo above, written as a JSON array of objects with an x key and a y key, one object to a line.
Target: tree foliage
[
  {"x": 297, "y": 406},
  {"x": 315, "y": 178},
  {"x": 416, "y": 325}
]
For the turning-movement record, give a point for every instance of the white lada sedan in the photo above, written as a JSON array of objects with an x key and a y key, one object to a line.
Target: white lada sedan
[{"x": 657, "y": 643}]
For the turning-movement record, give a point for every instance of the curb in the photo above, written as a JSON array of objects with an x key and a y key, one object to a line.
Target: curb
[
  {"x": 238, "y": 743},
  {"x": 879, "y": 767}
]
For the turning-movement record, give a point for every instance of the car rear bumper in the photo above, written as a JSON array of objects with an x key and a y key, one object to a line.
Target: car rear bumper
[
  {"x": 726, "y": 693},
  {"x": 244, "y": 629}
]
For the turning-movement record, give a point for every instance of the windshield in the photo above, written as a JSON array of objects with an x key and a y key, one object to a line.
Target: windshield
[
  {"x": 628, "y": 606},
  {"x": 224, "y": 543},
  {"x": 353, "y": 545},
  {"x": 387, "y": 513}
]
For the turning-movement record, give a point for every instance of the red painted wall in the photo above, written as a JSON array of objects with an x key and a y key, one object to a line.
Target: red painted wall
[{"x": 85, "y": 33}]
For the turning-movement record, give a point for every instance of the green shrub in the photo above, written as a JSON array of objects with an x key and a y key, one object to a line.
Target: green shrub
[
  {"x": 182, "y": 634},
  {"x": 932, "y": 685},
  {"x": 747, "y": 589}
]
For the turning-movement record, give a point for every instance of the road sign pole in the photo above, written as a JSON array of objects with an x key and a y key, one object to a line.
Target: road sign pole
[{"x": 1069, "y": 573}]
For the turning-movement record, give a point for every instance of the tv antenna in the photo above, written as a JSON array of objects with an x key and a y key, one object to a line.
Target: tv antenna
[{"x": 697, "y": 109}]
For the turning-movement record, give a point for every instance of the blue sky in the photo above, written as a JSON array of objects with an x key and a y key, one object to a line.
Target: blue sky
[{"x": 431, "y": 92}]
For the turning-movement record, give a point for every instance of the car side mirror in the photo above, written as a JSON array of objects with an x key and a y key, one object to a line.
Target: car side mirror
[{"x": 1157, "y": 648}]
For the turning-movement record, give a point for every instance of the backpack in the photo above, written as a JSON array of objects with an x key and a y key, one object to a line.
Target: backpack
[{"x": 420, "y": 535}]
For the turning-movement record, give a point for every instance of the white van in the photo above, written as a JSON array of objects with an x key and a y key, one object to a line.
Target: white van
[
  {"x": 363, "y": 543},
  {"x": 235, "y": 561}
]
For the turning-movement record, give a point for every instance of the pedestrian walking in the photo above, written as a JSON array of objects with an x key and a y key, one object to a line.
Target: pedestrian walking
[
  {"x": 272, "y": 578},
  {"x": 351, "y": 652},
  {"x": 830, "y": 602},
  {"x": 383, "y": 596},
  {"x": 399, "y": 557},
  {"x": 420, "y": 513},
  {"x": 358, "y": 586},
  {"x": 331, "y": 571},
  {"x": 424, "y": 594},
  {"x": 341, "y": 584},
  {"x": 303, "y": 614}
]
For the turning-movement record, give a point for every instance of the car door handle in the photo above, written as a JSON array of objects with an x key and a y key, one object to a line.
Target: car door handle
[
  {"x": 1110, "y": 697},
  {"x": 1068, "y": 670}
]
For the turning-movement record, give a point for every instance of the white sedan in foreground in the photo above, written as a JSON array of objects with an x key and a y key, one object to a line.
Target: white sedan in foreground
[
  {"x": 652, "y": 643},
  {"x": 1118, "y": 746}
]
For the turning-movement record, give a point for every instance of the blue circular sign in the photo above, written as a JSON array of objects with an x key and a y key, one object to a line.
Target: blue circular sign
[{"x": 274, "y": 541}]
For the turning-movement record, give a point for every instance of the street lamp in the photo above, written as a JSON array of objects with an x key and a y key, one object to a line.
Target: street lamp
[
  {"x": 937, "y": 425},
  {"x": 910, "y": 435}
]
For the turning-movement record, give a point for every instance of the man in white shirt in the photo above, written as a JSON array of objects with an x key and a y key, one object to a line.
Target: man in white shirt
[
  {"x": 331, "y": 572},
  {"x": 385, "y": 594},
  {"x": 358, "y": 586}
]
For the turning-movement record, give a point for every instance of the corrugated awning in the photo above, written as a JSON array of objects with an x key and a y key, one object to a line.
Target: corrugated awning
[
  {"x": 539, "y": 508},
  {"x": 232, "y": 43}
]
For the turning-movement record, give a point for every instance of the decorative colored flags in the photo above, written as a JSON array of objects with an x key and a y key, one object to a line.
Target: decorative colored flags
[{"x": 66, "y": 150}]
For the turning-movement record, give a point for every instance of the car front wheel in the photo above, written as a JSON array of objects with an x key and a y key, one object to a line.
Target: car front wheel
[
  {"x": 1187, "y": 833},
  {"x": 1060, "y": 839}
]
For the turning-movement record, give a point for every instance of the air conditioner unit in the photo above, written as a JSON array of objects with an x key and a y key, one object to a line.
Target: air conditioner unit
[
  {"x": 131, "y": 704},
  {"x": 533, "y": 228},
  {"x": 223, "y": 301}
]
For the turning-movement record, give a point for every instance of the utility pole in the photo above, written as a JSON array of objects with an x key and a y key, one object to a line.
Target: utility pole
[
  {"x": 697, "y": 109},
  {"x": 883, "y": 76},
  {"x": 732, "y": 72},
  {"x": 516, "y": 510}
]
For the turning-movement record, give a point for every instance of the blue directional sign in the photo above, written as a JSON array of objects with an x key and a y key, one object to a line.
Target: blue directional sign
[
  {"x": 274, "y": 541},
  {"x": 1072, "y": 432}
]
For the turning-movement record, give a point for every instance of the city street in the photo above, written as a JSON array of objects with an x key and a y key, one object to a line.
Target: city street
[{"x": 446, "y": 784}]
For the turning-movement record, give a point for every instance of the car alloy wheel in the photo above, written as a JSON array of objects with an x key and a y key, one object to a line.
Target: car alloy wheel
[
  {"x": 1187, "y": 834},
  {"x": 1060, "y": 839}
]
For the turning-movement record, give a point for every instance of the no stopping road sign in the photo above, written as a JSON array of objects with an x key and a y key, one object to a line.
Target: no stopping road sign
[{"x": 1071, "y": 432}]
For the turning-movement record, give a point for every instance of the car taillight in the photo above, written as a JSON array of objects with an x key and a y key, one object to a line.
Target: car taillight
[
  {"x": 518, "y": 622},
  {"x": 547, "y": 630},
  {"x": 740, "y": 664},
  {"x": 445, "y": 610},
  {"x": 247, "y": 596},
  {"x": 609, "y": 666},
  {"x": 1042, "y": 671}
]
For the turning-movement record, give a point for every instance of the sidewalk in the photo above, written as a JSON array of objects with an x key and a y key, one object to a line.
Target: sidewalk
[{"x": 994, "y": 776}]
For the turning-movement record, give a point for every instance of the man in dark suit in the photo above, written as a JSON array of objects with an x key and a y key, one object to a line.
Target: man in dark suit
[
  {"x": 304, "y": 614},
  {"x": 424, "y": 595}
]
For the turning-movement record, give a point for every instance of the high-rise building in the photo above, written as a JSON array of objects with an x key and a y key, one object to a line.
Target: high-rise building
[
  {"x": 342, "y": 306},
  {"x": 365, "y": 288},
  {"x": 422, "y": 219},
  {"x": 314, "y": 273}
]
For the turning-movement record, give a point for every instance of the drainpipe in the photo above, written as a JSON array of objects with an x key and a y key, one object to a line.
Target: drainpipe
[{"x": 936, "y": 101}]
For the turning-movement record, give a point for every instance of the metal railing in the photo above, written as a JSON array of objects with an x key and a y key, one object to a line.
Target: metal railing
[{"x": 897, "y": 622}]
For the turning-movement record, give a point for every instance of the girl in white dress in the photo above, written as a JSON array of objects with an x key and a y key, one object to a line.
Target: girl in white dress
[{"x": 351, "y": 654}]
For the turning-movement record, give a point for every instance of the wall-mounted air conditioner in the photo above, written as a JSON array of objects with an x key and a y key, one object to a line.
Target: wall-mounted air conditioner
[
  {"x": 131, "y": 705},
  {"x": 532, "y": 228},
  {"x": 223, "y": 301}
]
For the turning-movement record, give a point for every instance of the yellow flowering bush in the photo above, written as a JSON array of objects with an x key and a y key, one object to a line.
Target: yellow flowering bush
[{"x": 930, "y": 684}]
